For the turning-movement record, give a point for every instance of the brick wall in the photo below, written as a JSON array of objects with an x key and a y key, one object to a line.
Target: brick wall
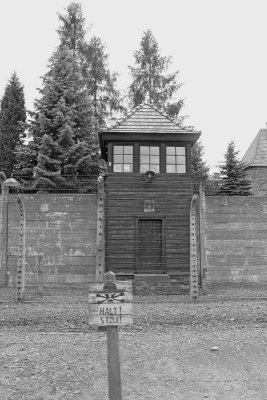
[
  {"x": 61, "y": 228},
  {"x": 236, "y": 239}
]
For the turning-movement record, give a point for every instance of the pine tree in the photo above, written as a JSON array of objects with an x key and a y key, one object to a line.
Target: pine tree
[
  {"x": 200, "y": 170},
  {"x": 212, "y": 184},
  {"x": 151, "y": 80},
  {"x": 101, "y": 82},
  {"x": 64, "y": 114},
  {"x": 27, "y": 154},
  {"x": 233, "y": 181},
  {"x": 64, "y": 98},
  {"x": 47, "y": 171},
  {"x": 12, "y": 132},
  {"x": 71, "y": 31},
  {"x": 77, "y": 92}
]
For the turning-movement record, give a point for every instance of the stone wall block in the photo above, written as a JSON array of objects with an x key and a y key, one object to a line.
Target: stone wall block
[
  {"x": 62, "y": 228},
  {"x": 236, "y": 239}
]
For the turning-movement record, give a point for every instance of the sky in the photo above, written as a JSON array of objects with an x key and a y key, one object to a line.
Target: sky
[{"x": 218, "y": 46}]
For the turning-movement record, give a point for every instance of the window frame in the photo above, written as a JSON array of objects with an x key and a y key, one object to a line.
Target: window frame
[
  {"x": 123, "y": 155},
  {"x": 149, "y": 145},
  {"x": 162, "y": 155},
  {"x": 185, "y": 164}
]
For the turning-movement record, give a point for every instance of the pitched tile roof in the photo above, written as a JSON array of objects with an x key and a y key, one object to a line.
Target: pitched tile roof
[
  {"x": 146, "y": 118},
  {"x": 256, "y": 155}
]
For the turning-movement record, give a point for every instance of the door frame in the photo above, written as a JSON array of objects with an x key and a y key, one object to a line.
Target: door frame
[{"x": 163, "y": 236}]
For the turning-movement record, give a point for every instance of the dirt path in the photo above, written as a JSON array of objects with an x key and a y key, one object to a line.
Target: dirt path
[{"x": 47, "y": 351}]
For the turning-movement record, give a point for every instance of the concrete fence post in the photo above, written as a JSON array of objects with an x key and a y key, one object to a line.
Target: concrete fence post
[
  {"x": 3, "y": 235},
  {"x": 100, "y": 231},
  {"x": 202, "y": 234},
  {"x": 21, "y": 252},
  {"x": 193, "y": 250}
]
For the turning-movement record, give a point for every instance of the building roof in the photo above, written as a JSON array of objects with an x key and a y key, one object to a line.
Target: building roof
[
  {"x": 256, "y": 155},
  {"x": 146, "y": 118},
  {"x": 146, "y": 123}
]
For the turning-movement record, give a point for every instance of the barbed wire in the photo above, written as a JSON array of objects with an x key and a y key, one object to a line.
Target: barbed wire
[{"x": 72, "y": 183}]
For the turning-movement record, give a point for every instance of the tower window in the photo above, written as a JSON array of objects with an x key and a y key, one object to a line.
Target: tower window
[
  {"x": 122, "y": 158},
  {"x": 149, "y": 158},
  {"x": 175, "y": 159}
]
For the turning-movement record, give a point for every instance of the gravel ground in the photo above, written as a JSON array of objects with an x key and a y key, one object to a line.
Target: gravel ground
[{"x": 48, "y": 350}]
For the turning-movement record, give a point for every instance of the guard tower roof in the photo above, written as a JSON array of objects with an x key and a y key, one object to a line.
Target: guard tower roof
[{"x": 146, "y": 122}]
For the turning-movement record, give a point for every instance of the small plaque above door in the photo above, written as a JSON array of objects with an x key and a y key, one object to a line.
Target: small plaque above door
[{"x": 149, "y": 206}]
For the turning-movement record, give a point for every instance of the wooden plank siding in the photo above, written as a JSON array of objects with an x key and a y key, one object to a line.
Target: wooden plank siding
[{"x": 125, "y": 197}]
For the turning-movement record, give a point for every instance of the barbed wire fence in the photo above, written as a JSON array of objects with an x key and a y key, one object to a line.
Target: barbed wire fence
[
  {"x": 80, "y": 185},
  {"x": 148, "y": 248}
]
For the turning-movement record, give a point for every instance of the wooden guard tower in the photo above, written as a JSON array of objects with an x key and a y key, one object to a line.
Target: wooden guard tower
[{"x": 148, "y": 192}]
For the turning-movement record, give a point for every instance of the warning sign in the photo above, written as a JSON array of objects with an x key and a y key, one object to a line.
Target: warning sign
[{"x": 110, "y": 303}]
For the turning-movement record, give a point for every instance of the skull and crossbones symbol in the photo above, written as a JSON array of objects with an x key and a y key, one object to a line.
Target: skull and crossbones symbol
[{"x": 111, "y": 295}]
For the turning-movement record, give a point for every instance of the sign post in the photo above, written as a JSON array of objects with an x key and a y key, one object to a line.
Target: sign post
[
  {"x": 110, "y": 305},
  {"x": 114, "y": 369}
]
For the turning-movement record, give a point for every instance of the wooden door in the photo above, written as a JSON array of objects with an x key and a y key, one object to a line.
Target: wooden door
[{"x": 149, "y": 246}]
